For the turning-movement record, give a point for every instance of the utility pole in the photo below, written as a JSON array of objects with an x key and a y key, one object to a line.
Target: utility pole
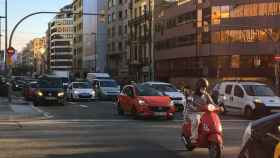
[
  {"x": 6, "y": 33},
  {"x": 0, "y": 35}
]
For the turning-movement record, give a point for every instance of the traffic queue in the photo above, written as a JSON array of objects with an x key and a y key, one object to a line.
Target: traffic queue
[{"x": 201, "y": 108}]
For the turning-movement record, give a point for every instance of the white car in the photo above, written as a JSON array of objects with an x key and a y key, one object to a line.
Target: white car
[
  {"x": 250, "y": 99},
  {"x": 106, "y": 89},
  {"x": 168, "y": 89},
  {"x": 80, "y": 91}
]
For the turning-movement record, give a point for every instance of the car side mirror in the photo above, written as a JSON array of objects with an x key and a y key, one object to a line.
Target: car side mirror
[{"x": 96, "y": 86}]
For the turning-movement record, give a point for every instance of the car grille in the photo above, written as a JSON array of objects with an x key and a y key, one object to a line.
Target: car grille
[
  {"x": 84, "y": 96},
  {"x": 159, "y": 109},
  {"x": 50, "y": 94},
  {"x": 178, "y": 98}
]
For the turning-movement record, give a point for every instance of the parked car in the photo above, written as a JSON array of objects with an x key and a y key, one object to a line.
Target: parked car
[
  {"x": 80, "y": 91},
  {"x": 106, "y": 89},
  {"x": 261, "y": 139},
  {"x": 3, "y": 86},
  {"x": 17, "y": 85},
  {"x": 29, "y": 90},
  {"x": 176, "y": 96},
  {"x": 144, "y": 101},
  {"x": 49, "y": 90},
  {"x": 251, "y": 99}
]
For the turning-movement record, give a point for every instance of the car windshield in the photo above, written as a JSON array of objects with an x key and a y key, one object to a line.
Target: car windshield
[
  {"x": 142, "y": 90},
  {"x": 82, "y": 85},
  {"x": 50, "y": 83},
  {"x": 164, "y": 87},
  {"x": 108, "y": 84},
  {"x": 33, "y": 85},
  {"x": 258, "y": 90},
  {"x": 64, "y": 80}
]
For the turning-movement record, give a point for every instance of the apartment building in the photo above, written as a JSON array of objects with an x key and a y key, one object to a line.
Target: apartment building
[
  {"x": 217, "y": 39},
  {"x": 60, "y": 38},
  {"x": 38, "y": 47},
  {"x": 89, "y": 37},
  {"x": 141, "y": 39},
  {"x": 117, "y": 12}
]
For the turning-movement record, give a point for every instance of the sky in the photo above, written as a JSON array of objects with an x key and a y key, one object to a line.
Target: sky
[{"x": 32, "y": 27}]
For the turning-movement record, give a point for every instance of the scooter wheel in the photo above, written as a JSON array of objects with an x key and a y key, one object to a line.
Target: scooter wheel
[
  {"x": 215, "y": 150},
  {"x": 188, "y": 144}
]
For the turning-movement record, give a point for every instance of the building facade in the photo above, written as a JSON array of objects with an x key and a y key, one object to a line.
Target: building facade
[
  {"x": 141, "y": 40},
  {"x": 27, "y": 55},
  {"x": 217, "y": 39},
  {"x": 117, "y": 12},
  {"x": 39, "y": 47},
  {"x": 89, "y": 36},
  {"x": 60, "y": 40}
]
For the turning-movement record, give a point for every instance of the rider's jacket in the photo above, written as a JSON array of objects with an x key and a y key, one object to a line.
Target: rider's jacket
[{"x": 199, "y": 99}]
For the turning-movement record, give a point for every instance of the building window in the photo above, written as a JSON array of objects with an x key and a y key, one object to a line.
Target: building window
[
  {"x": 120, "y": 30},
  {"x": 113, "y": 16},
  {"x": 125, "y": 29},
  {"x": 126, "y": 13},
  {"x": 120, "y": 47},
  {"x": 120, "y": 15}
]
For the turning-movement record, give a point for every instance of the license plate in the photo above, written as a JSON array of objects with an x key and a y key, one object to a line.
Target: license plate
[
  {"x": 276, "y": 110},
  {"x": 159, "y": 113},
  {"x": 50, "y": 98}
]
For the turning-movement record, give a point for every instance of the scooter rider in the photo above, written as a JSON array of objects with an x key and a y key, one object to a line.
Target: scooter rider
[{"x": 200, "y": 98}]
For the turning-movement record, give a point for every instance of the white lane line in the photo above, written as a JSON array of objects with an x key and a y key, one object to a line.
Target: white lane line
[
  {"x": 83, "y": 106},
  {"x": 71, "y": 102},
  {"x": 46, "y": 114}
]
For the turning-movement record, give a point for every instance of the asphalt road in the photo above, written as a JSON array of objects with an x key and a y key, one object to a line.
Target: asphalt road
[{"x": 94, "y": 130}]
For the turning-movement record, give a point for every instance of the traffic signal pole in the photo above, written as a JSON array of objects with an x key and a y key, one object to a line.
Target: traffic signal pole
[{"x": 20, "y": 21}]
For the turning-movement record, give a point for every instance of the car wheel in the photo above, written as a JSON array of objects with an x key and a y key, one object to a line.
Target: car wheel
[
  {"x": 120, "y": 110},
  {"x": 134, "y": 113},
  {"x": 248, "y": 113},
  {"x": 36, "y": 103}
]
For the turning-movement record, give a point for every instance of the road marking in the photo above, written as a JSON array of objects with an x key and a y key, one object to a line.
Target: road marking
[
  {"x": 71, "y": 102},
  {"x": 83, "y": 106},
  {"x": 46, "y": 114}
]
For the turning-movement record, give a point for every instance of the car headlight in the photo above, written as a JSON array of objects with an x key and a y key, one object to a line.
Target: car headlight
[
  {"x": 171, "y": 103},
  {"x": 247, "y": 135},
  {"x": 141, "y": 102},
  {"x": 93, "y": 93},
  {"x": 76, "y": 92},
  {"x": 40, "y": 94},
  {"x": 60, "y": 94},
  {"x": 258, "y": 101}
]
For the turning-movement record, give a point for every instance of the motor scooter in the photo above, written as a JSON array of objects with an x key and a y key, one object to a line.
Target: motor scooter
[{"x": 209, "y": 132}]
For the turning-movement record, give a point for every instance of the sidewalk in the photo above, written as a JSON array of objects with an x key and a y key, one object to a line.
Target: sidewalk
[{"x": 18, "y": 110}]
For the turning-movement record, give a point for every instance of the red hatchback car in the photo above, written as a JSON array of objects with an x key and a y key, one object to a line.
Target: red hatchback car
[{"x": 145, "y": 102}]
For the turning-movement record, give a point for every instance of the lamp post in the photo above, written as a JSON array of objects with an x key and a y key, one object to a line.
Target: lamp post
[{"x": 95, "y": 50}]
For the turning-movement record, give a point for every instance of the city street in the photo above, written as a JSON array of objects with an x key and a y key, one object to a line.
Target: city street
[{"x": 93, "y": 129}]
